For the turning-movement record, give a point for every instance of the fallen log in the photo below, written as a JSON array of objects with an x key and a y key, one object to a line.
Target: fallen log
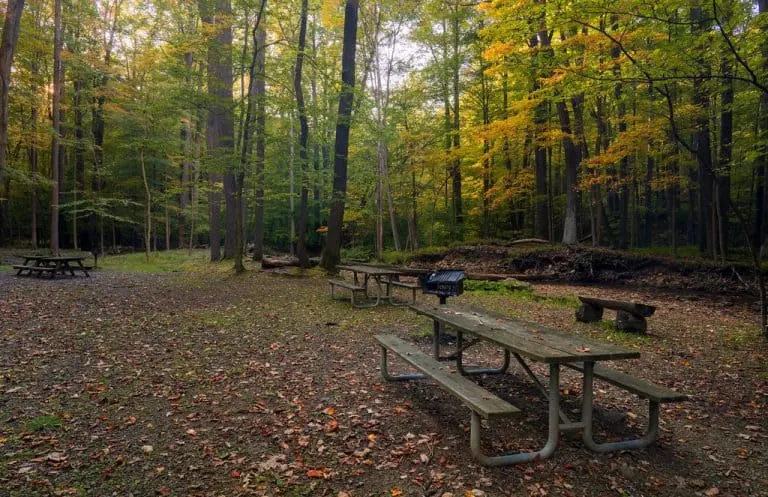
[{"x": 278, "y": 262}]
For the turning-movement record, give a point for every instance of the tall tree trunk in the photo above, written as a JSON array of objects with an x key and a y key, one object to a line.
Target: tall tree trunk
[
  {"x": 332, "y": 252},
  {"x": 301, "y": 249},
  {"x": 541, "y": 118},
  {"x": 572, "y": 161},
  {"x": 58, "y": 78},
  {"x": 220, "y": 125},
  {"x": 14, "y": 8},
  {"x": 701, "y": 138},
  {"x": 147, "y": 206},
  {"x": 458, "y": 211},
  {"x": 260, "y": 92},
  {"x": 723, "y": 179}
]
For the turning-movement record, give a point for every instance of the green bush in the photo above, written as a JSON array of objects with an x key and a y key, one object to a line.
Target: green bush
[{"x": 361, "y": 253}]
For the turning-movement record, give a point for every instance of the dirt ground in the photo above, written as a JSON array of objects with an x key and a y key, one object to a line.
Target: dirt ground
[{"x": 260, "y": 384}]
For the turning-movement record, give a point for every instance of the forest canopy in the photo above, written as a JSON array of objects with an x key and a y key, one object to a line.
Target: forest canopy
[{"x": 178, "y": 123}]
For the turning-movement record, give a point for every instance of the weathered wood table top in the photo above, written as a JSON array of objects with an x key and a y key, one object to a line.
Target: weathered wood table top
[{"x": 534, "y": 341}]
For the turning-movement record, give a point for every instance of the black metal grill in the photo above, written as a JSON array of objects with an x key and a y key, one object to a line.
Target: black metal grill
[{"x": 444, "y": 283}]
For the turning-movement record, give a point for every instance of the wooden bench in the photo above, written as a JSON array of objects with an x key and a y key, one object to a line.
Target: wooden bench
[
  {"x": 630, "y": 316},
  {"x": 353, "y": 288},
  {"x": 34, "y": 269},
  {"x": 481, "y": 402},
  {"x": 655, "y": 395},
  {"x": 413, "y": 287}
]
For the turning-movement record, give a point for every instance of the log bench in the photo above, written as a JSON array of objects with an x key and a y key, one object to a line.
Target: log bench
[
  {"x": 630, "y": 316},
  {"x": 34, "y": 269},
  {"x": 353, "y": 288},
  {"x": 655, "y": 395},
  {"x": 413, "y": 287},
  {"x": 481, "y": 402}
]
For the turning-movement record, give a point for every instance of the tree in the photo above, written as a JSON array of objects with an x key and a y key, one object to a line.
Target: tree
[
  {"x": 301, "y": 248},
  {"x": 7, "y": 48},
  {"x": 332, "y": 252},
  {"x": 220, "y": 126}
]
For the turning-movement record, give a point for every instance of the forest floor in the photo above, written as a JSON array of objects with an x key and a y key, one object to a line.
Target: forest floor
[{"x": 203, "y": 383}]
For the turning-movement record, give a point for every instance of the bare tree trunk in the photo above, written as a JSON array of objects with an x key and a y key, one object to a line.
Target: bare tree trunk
[
  {"x": 14, "y": 8},
  {"x": 260, "y": 89},
  {"x": 301, "y": 249},
  {"x": 332, "y": 253},
  {"x": 219, "y": 131},
  {"x": 147, "y": 206},
  {"x": 58, "y": 78}
]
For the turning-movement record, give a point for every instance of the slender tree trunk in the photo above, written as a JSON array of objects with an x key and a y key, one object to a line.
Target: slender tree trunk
[
  {"x": 541, "y": 118},
  {"x": 147, "y": 206},
  {"x": 458, "y": 211},
  {"x": 219, "y": 129},
  {"x": 260, "y": 89},
  {"x": 331, "y": 254},
  {"x": 14, "y": 8},
  {"x": 701, "y": 140},
  {"x": 572, "y": 161},
  {"x": 301, "y": 249},
  {"x": 58, "y": 78}
]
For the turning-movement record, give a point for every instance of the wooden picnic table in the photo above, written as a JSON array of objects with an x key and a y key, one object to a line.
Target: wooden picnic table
[
  {"x": 532, "y": 342},
  {"x": 52, "y": 265},
  {"x": 381, "y": 276}
]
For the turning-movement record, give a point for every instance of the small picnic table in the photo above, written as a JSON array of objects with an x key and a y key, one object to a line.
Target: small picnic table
[
  {"x": 534, "y": 342},
  {"x": 52, "y": 265},
  {"x": 381, "y": 276}
]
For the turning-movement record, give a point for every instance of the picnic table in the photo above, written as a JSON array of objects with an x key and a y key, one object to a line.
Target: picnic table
[
  {"x": 382, "y": 277},
  {"x": 525, "y": 342},
  {"x": 51, "y": 265}
]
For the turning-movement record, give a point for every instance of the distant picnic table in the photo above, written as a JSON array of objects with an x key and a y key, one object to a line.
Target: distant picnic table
[
  {"x": 382, "y": 277},
  {"x": 525, "y": 342},
  {"x": 51, "y": 265}
]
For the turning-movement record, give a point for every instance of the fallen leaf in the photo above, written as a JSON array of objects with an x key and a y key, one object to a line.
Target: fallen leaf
[
  {"x": 711, "y": 492},
  {"x": 147, "y": 448},
  {"x": 395, "y": 492}
]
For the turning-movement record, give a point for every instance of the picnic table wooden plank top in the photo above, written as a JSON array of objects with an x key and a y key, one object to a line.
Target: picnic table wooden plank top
[
  {"x": 537, "y": 342},
  {"x": 372, "y": 270}
]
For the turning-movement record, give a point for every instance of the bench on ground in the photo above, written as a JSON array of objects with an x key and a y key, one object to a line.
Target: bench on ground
[
  {"x": 413, "y": 287},
  {"x": 630, "y": 316},
  {"x": 84, "y": 269},
  {"x": 353, "y": 288},
  {"x": 34, "y": 269},
  {"x": 481, "y": 402},
  {"x": 655, "y": 395}
]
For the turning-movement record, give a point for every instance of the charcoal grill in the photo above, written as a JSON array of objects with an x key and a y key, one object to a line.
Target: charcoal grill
[{"x": 444, "y": 283}]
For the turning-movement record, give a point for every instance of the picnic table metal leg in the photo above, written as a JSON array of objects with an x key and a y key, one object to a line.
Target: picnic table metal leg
[
  {"x": 521, "y": 457},
  {"x": 653, "y": 421},
  {"x": 568, "y": 425},
  {"x": 399, "y": 377},
  {"x": 468, "y": 372}
]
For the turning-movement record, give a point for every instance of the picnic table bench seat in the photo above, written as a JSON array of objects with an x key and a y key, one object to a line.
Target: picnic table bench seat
[
  {"x": 352, "y": 287},
  {"x": 655, "y": 395},
  {"x": 413, "y": 287},
  {"x": 34, "y": 269},
  {"x": 637, "y": 386},
  {"x": 481, "y": 402}
]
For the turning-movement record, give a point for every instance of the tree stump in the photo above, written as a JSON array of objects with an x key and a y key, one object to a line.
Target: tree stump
[
  {"x": 589, "y": 313},
  {"x": 626, "y": 321}
]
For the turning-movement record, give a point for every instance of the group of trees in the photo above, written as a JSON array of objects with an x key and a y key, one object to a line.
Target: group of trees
[{"x": 623, "y": 124}]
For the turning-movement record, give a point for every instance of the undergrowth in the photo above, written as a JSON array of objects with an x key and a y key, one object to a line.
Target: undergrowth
[
  {"x": 517, "y": 290},
  {"x": 161, "y": 262}
]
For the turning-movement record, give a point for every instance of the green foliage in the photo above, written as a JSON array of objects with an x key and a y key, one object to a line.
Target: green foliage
[
  {"x": 45, "y": 422},
  {"x": 621, "y": 337},
  {"x": 518, "y": 290},
  {"x": 159, "y": 262},
  {"x": 358, "y": 253},
  {"x": 397, "y": 258}
]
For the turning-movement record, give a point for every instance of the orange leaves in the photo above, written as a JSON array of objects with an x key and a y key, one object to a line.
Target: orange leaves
[
  {"x": 323, "y": 473},
  {"x": 396, "y": 492}
]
